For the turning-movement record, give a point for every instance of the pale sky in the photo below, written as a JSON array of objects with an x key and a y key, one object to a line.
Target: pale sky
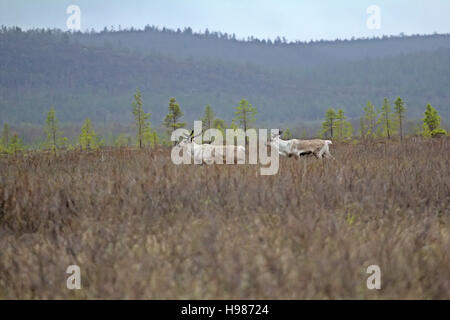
[{"x": 293, "y": 19}]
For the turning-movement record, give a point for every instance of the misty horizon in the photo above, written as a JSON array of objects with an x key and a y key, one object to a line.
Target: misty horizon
[
  {"x": 119, "y": 29},
  {"x": 294, "y": 21}
]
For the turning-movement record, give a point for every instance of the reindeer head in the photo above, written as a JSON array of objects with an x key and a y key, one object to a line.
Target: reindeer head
[
  {"x": 273, "y": 137},
  {"x": 276, "y": 136},
  {"x": 188, "y": 139}
]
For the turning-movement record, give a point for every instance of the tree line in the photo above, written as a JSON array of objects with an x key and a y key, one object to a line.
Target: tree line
[
  {"x": 146, "y": 136},
  {"x": 385, "y": 122}
]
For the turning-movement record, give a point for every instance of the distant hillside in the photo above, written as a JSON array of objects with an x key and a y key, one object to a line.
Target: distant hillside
[
  {"x": 267, "y": 53},
  {"x": 95, "y": 75}
]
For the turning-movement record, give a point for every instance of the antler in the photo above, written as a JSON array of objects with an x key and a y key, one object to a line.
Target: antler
[
  {"x": 193, "y": 137},
  {"x": 187, "y": 136}
]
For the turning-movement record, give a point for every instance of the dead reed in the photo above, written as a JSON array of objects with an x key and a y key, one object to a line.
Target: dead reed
[{"x": 140, "y": 227}]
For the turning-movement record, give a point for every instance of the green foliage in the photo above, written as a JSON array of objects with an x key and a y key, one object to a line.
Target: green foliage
[
  {"x": 122, "y": 140},
  {"x": 350, "y": 219},
  {"x": 54, "y": 138},
  {"x": 10, "y": 143},
  {"x": 233, "y": 125},
  {"x": 220, "y": 125},
  {"x": 151, "y": 137},
  {"x": 65, "y": 143},
  {"x": 171, "y": 121},
  {"x": 431, "y": 122},
  {"x": 245, "y": 114},
  {"x": 287, "y": 135},
  {"x": 209, "y": 121},
  {"x": 144, "y": 131},
  {"x": 368, "y": 123},
  {"x": 329, "y": 124},
  {"x": 400, "y": 109},
  {"x": 343, "y": 128},
  {"x": 386, "y": 120},
  {"x": 88, "y": 138},
  {"x": 438, "y": 132},
  {"x": 208, "y": 118},
  {"x": 15, "y": 145}
]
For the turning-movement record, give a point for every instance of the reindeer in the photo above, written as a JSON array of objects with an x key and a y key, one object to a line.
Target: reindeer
[
  {"x": 208, "y": 153},
  {"x": 295, "y": 147}
]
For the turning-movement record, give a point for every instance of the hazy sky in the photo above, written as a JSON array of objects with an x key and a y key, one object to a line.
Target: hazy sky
[{"x": 293, "y": 19}]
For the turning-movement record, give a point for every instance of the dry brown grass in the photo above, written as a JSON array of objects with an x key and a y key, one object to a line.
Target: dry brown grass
[{"x": 140, "y": 227}]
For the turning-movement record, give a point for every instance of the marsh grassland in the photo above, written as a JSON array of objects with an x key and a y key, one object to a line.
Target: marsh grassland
[{"x": 140, "y": 227}]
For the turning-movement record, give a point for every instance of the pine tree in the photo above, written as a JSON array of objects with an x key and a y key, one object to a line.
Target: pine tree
[
  {"x": 329, "y": 124},
  {"x": 245, "y": 114},
  {"x": 155, "y": 138},
  {"x": 88, "y": 138},
  {"x": 208, "y": 118},
  {"x": 432, "y": 123},
  {"x": 343, "y": 128},
  {"x": 15, "y": 145},
  {"x": 140, "y": 119},
  {"x": 400, "y": 109},
  {"x": 220, "y": 125},
  {"x": 369, "y": 121},
  {"x": 54, "y": 139},
  {"x": 207, "y": 122},
  {"x": 233, "y": 125},
  {"x": 287, "y": 135},
  {"x": 348, "y": 129},
  {"x": 386, "y": 120},
  {"x": 150, "y": 137},
  {"x": 171, "y": 121}
]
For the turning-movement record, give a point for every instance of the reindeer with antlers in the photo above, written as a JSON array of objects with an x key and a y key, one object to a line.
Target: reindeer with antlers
[{"x": 210, "y": 153}]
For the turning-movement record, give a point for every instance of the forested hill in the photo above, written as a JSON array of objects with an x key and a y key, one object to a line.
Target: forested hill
[
  {"x": 95, "y": 75},
  {"x": 276, "y": 54}
]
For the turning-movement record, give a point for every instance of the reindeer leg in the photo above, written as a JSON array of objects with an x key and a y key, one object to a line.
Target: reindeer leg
[{"x": 329, "y": 156}]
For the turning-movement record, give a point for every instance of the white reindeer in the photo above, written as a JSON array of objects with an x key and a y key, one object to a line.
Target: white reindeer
[
  {"x": 295, "y": 147},
  {"x": 208, "y": 153}
]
